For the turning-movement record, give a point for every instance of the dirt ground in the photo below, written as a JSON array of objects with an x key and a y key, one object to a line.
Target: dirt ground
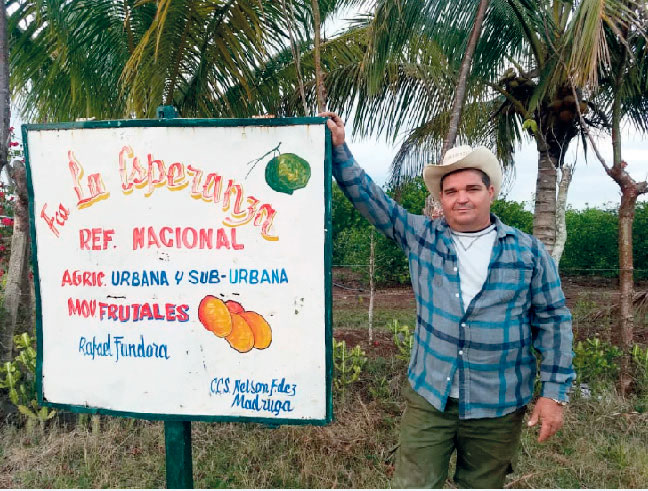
[{"x": 591, "y": 300}]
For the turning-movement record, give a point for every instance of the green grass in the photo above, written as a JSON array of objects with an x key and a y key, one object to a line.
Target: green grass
[
  {"x": 348, "y": 453},
  {"x": 603, "y": 445},
  {"x": 354, "y": 318}
]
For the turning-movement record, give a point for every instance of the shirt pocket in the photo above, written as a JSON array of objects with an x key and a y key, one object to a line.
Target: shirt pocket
[{"x": 511, "y": 285}]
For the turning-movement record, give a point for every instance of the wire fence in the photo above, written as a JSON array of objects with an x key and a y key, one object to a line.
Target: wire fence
[
  {"x": 561, "y": 269},
  {"x": 571, "y": 269},
  {"x": 359, "y": 280}
]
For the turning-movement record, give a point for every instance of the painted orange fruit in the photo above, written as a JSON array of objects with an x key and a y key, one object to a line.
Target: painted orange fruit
[
  {"x": 241, "y": 338},
  {"x": 234, "y": 307},
  {"x": 260, "y": 328},
  {"x": 215, "y": 316}
]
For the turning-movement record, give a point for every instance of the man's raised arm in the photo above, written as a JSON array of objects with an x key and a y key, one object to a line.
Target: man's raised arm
[{"x": 368, "y": 198}]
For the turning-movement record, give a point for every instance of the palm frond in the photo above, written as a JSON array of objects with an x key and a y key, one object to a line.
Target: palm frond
[
  {"x": 589, "y": 47},
  {"x": 64, "y": 56},
  {"x": 423, "y": 144}
]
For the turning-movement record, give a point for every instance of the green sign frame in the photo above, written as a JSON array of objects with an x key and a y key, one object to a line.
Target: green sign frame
[{"x": 190, "y": 122}]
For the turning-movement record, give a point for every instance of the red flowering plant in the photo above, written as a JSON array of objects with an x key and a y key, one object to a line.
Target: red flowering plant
[
  {"x": 6, "y": 229},
  {"x": 7, "y": 207}
]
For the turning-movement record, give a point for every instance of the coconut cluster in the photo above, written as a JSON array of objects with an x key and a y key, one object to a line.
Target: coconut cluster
[
  {"x": 521, "y": 87},
  {"x": 564, "y": 105}
]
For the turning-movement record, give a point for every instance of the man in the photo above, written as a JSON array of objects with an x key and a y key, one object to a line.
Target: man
[{"x": 487, "y": 296}]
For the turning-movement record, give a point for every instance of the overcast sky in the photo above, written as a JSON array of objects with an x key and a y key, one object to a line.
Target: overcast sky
[{"x": 590, "y": 185}]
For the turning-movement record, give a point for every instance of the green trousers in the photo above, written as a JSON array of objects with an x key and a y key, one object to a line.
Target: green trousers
[{"x": 486, "y": 448}]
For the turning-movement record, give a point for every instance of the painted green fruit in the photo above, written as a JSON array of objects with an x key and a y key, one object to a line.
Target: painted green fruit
[{"x": 287, "y": 172}]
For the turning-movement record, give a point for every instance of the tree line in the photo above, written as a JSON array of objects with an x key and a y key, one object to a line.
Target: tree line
[{"x": 590, "y": 249}]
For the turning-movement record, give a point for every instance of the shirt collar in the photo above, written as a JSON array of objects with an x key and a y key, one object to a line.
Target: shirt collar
[{"x": 501, "y": 229}]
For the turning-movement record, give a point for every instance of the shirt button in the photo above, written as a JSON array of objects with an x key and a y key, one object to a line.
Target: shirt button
[
  {"x": 460, "y": 352},
  {"x": 463, "y": 324},
  {"x": 457, "y": 295},
  {"x": 454, "y": 269},
  {"x": 448, "y": 379}
]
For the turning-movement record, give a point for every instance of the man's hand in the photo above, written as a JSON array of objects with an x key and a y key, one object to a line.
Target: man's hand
[
  {"x": 550, "y": 414},
  {"x": 336, "y": 125}
]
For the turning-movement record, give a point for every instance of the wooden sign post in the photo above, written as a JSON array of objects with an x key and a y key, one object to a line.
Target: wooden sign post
[
  {"x": 177, "y": 434},
  {"x": 182, "y": 271},
  {"x": 179, "y": 464}
]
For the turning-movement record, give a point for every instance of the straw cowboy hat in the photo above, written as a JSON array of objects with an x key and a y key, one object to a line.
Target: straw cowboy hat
[{"x": 463, "y": 157}]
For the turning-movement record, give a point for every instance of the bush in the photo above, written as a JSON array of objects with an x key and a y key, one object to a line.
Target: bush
[
  {"x": 352, "y": 237},
  {"x": 403, "y": 337},
  {"x": 591, "y": 246},
  {"x": 18, "y": 377},
  {"x": 513, "y": 213},
  {"x": 353, "y": 247},
  {"x": 640, "y": 365},
  {"x": 640, "y": 240},
  {"x": 6, "y": 228},
  {"x": 595, "y": 362},
  {"x": 348, "y": 365}
]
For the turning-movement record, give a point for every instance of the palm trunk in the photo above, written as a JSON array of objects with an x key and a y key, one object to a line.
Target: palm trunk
[
  {"x": 17, "y": 267},
  {"x": 630, "y": 190},
  {"x": 372, "y": 283},
  {"x": 290, "y": 21},
  {"x": 460, "y": 92},
  {"x": 626, "y": 286},
  {"x": 432, "y": 208},
  {"x": 561, "y": 208},
  {"x": 28, "y": 294},
  {"x": 544, "y": 220},
  {"x": 6, "y": 330},
  {"x": 5, "y": 97},
  {"x": 319, "y": 79}
]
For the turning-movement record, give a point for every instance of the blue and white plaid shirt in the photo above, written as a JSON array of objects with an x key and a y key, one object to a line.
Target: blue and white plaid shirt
[{"x": 521, "y": 306}]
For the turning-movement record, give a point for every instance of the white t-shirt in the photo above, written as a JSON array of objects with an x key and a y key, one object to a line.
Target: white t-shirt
[{"x": 474, "y": 251}]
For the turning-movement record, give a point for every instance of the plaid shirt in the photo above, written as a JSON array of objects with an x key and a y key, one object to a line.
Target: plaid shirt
[{"x": 520, "y": 307}]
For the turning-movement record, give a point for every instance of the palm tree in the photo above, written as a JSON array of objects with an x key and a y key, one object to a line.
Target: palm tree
[
  {"x": 5, "y": 99},
  {"x": 6, "y": 334},
  {"x": 194, "y": 51},
  {"x": 123, "y": 58},
  {"x": 67, "y": 56},
  {"x": 519, "y": 86},
  {"x": 460, "y": 92}
]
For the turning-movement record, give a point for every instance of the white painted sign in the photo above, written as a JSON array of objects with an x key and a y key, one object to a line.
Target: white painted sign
[{"x": 181, "y": 269}]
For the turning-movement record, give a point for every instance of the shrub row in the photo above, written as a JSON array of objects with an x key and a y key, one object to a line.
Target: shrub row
[{"x": 591, "y": 247}]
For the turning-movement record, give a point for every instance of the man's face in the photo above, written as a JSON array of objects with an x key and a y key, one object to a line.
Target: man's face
[{"x": 466, "y": 201}]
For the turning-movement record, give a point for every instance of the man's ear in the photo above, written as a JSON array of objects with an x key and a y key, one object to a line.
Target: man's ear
[{"x": 491, "y": 191}]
